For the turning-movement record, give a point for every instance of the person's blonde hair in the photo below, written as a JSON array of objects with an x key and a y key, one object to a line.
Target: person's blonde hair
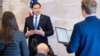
[
  {"x": 89, "y": 6},
  {"x": 42, "y": 47}
]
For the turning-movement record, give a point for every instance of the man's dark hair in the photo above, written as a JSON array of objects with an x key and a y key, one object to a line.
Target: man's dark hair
[{"x": 35, "y": 3}]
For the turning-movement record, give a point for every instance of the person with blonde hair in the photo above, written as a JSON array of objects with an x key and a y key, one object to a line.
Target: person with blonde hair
[{"x": 42, "y": 49}]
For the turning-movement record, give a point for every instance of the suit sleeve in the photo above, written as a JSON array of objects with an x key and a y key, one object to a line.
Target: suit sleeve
[
  {"x": 49, "y": 29},
  {"x": 75, "y": 40},
  {"x": 25, "y": 26}
]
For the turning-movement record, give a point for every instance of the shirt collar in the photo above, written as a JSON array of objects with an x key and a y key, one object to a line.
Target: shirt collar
[
  {"x": 90, "y": 15},
  {"x": 37, "y": 16}
]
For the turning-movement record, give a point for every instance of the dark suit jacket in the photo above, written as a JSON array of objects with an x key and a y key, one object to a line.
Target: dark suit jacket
[
  {"x": 44, "y": 23},
  {"x": 85, "y": 39},
  {"x": 40, "y": 54}
]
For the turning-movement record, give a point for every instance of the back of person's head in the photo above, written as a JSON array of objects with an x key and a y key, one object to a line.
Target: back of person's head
[
  {"x": 89, "y": 6},
  {"x": 8, "y": 27},
  {"x": 43, "y": 48}
]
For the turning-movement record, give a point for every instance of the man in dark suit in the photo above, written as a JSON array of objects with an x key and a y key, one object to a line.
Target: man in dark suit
[
  {"x": 85, "y": 39},
  {"x": 37, "y": 27}
]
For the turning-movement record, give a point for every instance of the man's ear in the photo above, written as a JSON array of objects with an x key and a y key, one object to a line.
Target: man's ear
[{"x": 83, "y": 13}]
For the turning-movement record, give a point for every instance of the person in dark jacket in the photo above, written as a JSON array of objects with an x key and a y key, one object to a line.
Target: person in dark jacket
[
  {"x": 37, "y": 28},
  {"x": 12, "y": 41}
]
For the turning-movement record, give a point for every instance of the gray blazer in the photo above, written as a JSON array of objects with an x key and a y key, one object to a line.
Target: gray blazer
[{"x": 18, "y": 47}]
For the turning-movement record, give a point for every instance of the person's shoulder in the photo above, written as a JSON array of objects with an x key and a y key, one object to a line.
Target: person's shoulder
[
  {"x": 45, "y": 16},
  {"x": 98, "y": 19},
  {"x": 19, "y": 34},
  {"x": 27, "y": 18},
  {"x": 85, "y": 21},
  {"x": 80, "y": 23}
]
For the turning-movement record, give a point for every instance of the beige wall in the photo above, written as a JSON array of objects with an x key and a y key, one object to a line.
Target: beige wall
[
  {"x": 0, "y": 8},
  {"x": 19, "y": 7},
  {"x": 63, "y": 14}
]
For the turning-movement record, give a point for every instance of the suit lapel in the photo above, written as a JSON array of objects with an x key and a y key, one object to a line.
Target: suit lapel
[
  {"x": 31, "y": 22},
  {"x": 40, "y": 21}
]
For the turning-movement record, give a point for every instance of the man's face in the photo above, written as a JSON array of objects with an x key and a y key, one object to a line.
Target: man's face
[{"x": 36, "y": 9}]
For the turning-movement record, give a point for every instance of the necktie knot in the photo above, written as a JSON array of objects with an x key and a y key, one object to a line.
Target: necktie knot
[{"x": 36, "y": 17}]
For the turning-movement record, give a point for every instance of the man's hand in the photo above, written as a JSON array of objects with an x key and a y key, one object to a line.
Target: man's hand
[
  {"x": 29, "y": 33},
  {"x": 39, "y": 32}
]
